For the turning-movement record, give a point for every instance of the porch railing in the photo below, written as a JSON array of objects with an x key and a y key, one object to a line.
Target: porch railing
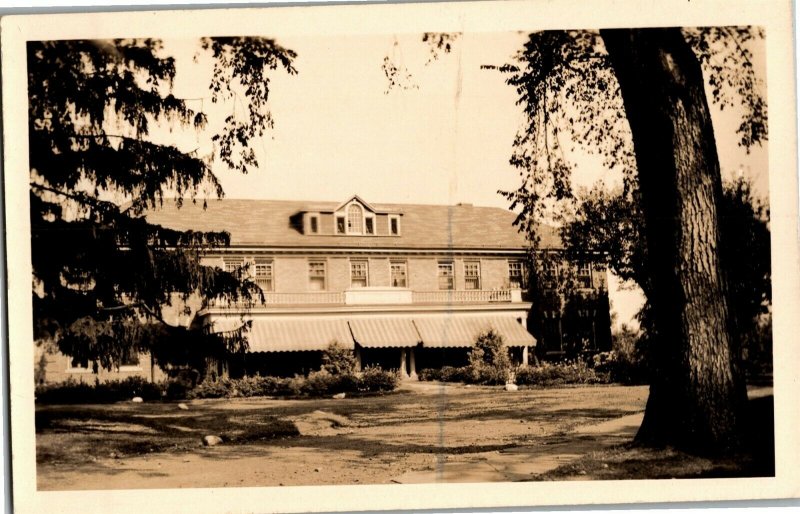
[
  {"x": 461, "y": 296},
  {"x": 341, "y": 298}
]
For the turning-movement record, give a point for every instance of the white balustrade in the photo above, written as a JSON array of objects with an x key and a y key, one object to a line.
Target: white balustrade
[{"x": 369, "y": 296}]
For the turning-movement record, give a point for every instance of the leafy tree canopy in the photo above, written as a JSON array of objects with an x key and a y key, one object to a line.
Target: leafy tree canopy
[{"x": 103, "y": 276}]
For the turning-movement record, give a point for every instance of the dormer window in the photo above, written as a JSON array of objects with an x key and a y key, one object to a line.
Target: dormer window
[
  {"x": 394, "y": 225},
  {"x": 313, "y": 224},
  {"x": 369, "y": 225},
  {"x": 340, "y": 225},
  {"x": 355, "y": 219}
]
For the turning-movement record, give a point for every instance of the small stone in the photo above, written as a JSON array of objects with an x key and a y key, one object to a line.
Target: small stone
[
  {"x": 113, "y": 455},
  {"x": 183, "y": 406},
  {"x": 582, "y": 472},
  {"x": 212, "y": 440},
  {"x": 605, "y": 466},
  {"x": 317, "y": 470},
  {"x": 339, "y": 396},
  {"x": 512, "y": 387},
  {"x": 137, "y": 399}
]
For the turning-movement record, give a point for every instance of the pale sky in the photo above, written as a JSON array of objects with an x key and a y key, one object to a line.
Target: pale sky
[{"x": 338, "y": 132}]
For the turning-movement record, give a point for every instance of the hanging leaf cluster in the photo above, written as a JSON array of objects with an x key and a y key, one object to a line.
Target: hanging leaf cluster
[{"x": 102, "y": 275}]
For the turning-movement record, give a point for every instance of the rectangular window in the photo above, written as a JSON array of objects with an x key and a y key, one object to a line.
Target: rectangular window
[
  {"x": 370, "y": 225},
  {"x": 232, "y": 264},
  {"x": 316, "y": 276},
  {"x": 340, "y": 226},
  {"x": 263, "y": 272},
  {"x": 358, "y": 274},
  {"x": 446, "y": 275},
  {"x": 79, "y": 364},
  {"x": 550, "y": 275},
  {"x": 517, "y": 278},
  {"x": 584, "y": 275},
  {"x": 129, "y": 361},
  {"x": 472, "y": 275},
  {"x": 399, "y": 274},
  {"x": 394, "y": 225},
  {"x": 313, "y": 224}
]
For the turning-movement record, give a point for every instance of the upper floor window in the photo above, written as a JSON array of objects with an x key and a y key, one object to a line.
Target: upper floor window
[
  {"x": 394, "y": 225},
  {"x": 232, "y": 264},
  {"x": 263, "y": 274},
  {"x": 369, "y": 225},
  {"x": 517, "y": 277},
  {"x": 359, "y": 274},
  {"x": 472, "y": 275},
  {"x": 355, "y": 219},
  {"x": 316, "y": 275},
  {"x": 584, "y": 275},
  {"x": 550, "y": 275},
  {"x": 313, "y": 224},
  {"x": 340, "y": 225},
  {"x": 399, "y": 274},
  {"x": 446, "y": 275}
]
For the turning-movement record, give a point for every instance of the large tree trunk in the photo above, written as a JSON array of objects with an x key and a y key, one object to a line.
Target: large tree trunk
[{"x": 697, "y": 395}]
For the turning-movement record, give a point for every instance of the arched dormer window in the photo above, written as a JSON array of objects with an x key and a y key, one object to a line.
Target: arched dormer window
[{"x": 355, "y": 219}]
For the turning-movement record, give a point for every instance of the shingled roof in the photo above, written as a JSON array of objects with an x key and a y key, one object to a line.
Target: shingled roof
[{"x": 267, "y": 223}]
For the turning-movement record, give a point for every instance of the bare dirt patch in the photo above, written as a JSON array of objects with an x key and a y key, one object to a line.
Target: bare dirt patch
[{"x": 427, "y": 432}]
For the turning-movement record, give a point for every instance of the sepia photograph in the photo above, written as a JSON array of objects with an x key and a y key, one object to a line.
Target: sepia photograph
[{"x": 274, "y": 248}]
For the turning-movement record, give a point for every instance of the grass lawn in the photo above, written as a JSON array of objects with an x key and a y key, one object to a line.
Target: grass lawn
[{"x": 425, "y": 432}]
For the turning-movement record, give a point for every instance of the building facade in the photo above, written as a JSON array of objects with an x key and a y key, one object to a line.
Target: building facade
[{"x": 404, "y": 286}]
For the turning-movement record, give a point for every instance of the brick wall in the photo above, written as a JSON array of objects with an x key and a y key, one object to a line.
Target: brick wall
[
  {"x": 494, "y": 273},
  {"x": 422, "y": 274},
  {"x": 58, "y": 369},
  {"x": 379, "y": 272},
  {"x": 291, "y": 274}
]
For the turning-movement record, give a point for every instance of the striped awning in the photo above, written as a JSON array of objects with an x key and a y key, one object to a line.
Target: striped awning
[
  {"x": 298, "y": 335},
  {"x": 461, "y": 331},
  {"x": 384, "y": 332}
]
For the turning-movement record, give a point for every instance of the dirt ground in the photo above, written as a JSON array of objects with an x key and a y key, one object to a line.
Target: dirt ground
[{"x": 426, "y": 432}]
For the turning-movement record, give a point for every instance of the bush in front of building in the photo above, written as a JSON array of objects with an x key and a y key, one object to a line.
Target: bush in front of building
[
  {"x": 338, "y": 360},
  {"x": 374, "y": 380},
  {"x": 489, "y": 362},
  {"x": 316, "y": 384},
  {"x": 72, "y": 391},
  {"x": 560, "y": 373}
]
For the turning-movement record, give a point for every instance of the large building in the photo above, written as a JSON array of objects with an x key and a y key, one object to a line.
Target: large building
[{"x": 404, "y": 286}]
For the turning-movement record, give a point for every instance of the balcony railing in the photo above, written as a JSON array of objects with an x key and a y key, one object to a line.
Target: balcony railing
[
  {"x": 374, "y": 296},
  {"x": 313, "y": 298},
  {"x": 462, "y": 296}
]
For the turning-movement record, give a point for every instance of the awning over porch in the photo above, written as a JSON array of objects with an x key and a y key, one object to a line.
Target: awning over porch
[
  {"x": 448, "y": 331},
  {"x": 385, "y": 332},
  {"x": 297, "y": 335}
]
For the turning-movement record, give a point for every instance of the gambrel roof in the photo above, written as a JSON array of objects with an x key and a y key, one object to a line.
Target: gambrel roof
[{"x": 268, "y": 223}]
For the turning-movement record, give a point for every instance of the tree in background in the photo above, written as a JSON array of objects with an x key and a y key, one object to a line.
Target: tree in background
[
  {"x": 637, "y": 97},
  {"x": 610, "y": 223},
  {"x": 103, "y": 277}
]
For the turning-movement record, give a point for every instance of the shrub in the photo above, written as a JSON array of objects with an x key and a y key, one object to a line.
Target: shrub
[
  {"x": 489, "y": 362},
  {"x": 567, "y": 372},
  {"x": 338, "y": 360},
  {"x": 374, "y": 379},
  {"x": 72, "y": 391},
  {"x": 429, "y": 374},
  {"x": 220, "y": 388}
]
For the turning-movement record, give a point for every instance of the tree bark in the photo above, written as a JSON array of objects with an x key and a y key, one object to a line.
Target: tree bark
[{"x": 697, "y": 394}]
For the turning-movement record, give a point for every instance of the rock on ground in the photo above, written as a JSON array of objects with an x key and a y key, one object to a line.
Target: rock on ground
[{"x": 212, "y": 440}]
